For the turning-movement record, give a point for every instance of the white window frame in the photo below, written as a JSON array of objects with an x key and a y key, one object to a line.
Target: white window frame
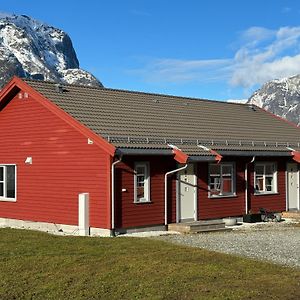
[
  {"x": 145, "y": 165},
  {"x": 233, "y": 182},
  {"x": 275, "y": 186},
  {"x": 4, "y": 197}
]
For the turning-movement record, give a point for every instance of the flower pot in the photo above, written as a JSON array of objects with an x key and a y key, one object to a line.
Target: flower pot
[{"x": 230, "y": 221}]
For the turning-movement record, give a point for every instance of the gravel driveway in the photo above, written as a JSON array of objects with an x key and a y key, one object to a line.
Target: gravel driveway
[{"x": 275, "y": 242}]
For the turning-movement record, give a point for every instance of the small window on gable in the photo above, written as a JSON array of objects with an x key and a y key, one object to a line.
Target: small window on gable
[
  {"x": 265, "y": 180},
  {"x": 141, "y": 182},
  {"x": 7, "y": 182},
  {"x": 221, "y": 180}
]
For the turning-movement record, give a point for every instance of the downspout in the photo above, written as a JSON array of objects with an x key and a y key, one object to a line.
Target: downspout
[
  {"x": 166, "y": 190},
  {"x": 113, "y": 195},
  {"x": 246, "y": 183}
]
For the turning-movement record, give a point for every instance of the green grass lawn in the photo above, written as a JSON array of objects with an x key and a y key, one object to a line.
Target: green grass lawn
[{"x": 35, "y": 265}]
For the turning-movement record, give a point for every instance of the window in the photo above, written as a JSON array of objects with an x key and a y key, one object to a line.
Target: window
[
  {"x": 7, "y": 182},
  {"x": 141, "y": 182},
  {"x": 221, "y": 182},
  {"x": 265, "y": 178}
]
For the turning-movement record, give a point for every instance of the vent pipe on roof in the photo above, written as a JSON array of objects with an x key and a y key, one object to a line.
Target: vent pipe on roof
[
  {"x": 252, "y": 107},
  {"x": 59, "y": 88}
]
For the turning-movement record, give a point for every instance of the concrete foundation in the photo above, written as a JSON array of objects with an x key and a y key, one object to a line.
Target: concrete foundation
[
  {"x": 140, "y": 229},
  {"x": 60, "y": 229}
]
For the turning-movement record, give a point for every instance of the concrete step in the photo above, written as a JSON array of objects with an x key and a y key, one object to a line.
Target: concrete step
[{"x": 197, "y": 226}]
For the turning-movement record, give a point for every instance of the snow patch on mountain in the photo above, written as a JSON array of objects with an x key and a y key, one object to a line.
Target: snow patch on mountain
[
  {"x": 30, "y": 48},
  {"x": 281, "y": 97}
]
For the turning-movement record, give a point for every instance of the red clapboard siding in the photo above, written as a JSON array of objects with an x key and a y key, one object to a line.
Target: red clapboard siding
[
  {"x": 64, "y": 165},
  {"x": 210, "y": 208},
  {"x": 274, "y": 202},
  {"x": 129, "y": 214}
]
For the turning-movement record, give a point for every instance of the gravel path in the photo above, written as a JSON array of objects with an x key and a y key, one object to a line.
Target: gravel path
[{"x": 276, "y": 243}]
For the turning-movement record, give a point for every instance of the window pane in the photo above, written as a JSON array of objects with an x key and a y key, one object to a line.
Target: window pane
[
  {"x": 227, "y": 179},
  {"x": 227, "y": 185},
  {"x": 215, "y": 179},
  {"x": 259, "y": 170},
  {"x": 269, "y": 188},
  {"x": 269, "y": 184},
  {"x": 269, "y": 180},
  {"x": 141, "y": 182},
  {"x": 269, "y": 169},
  {"x": 1, "y": 173},
  {"x": 1, "y": 189},
  {"x": 140, "y": 193},
  {"x": 214, "y": 170},
  {"x": 226, "y": 170},
  {"x": 10, "y": 184},
  {"x": 215, "y": 185},
  {"x": 140, "y": 170},
  {"x": 259, "y": 183}
]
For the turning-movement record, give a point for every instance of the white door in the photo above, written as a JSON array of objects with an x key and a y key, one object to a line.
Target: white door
[
  {"x": 292, "y": 186},
  {"x": 188, "y": 194}
]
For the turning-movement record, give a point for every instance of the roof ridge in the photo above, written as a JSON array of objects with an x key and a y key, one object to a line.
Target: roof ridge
[
  {"x": 132, "y": 91},
  {"x": 62, "y": 83}
]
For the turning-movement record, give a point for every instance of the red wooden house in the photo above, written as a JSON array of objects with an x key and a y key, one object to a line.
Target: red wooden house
[{"x": 145, "y": 160}]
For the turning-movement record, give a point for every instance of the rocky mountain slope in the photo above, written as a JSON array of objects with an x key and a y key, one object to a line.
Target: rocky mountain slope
[
  {"x": 281, "y": 97},
  {"x": 29, "y": 48}
]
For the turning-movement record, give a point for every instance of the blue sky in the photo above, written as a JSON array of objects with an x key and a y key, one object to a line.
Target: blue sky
[{"x": 207, "y": 49}]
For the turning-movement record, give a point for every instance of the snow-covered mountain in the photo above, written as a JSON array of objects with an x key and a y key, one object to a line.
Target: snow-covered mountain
[
  {"x": 30, "y": 48},
  {"x": 281, "y": 97}
]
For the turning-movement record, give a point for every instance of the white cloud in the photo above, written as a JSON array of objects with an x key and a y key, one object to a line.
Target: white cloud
[
  {"x": 254, "y": 35},
  {"x": 175, "y": 70},
  {"x": 255, "y": 64},
  {"x": 249, "y": 74},
  {"x": 263, "y": 54}
]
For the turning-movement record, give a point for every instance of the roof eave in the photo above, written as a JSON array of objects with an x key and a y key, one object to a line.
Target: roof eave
[
  {"x": 255, "y": 153},
  {"x": 139, "y": 151},
  {"x": 194, "y": 158}
]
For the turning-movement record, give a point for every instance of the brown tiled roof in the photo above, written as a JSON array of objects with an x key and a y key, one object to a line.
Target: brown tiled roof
[{"x": 150, "y": 121}]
